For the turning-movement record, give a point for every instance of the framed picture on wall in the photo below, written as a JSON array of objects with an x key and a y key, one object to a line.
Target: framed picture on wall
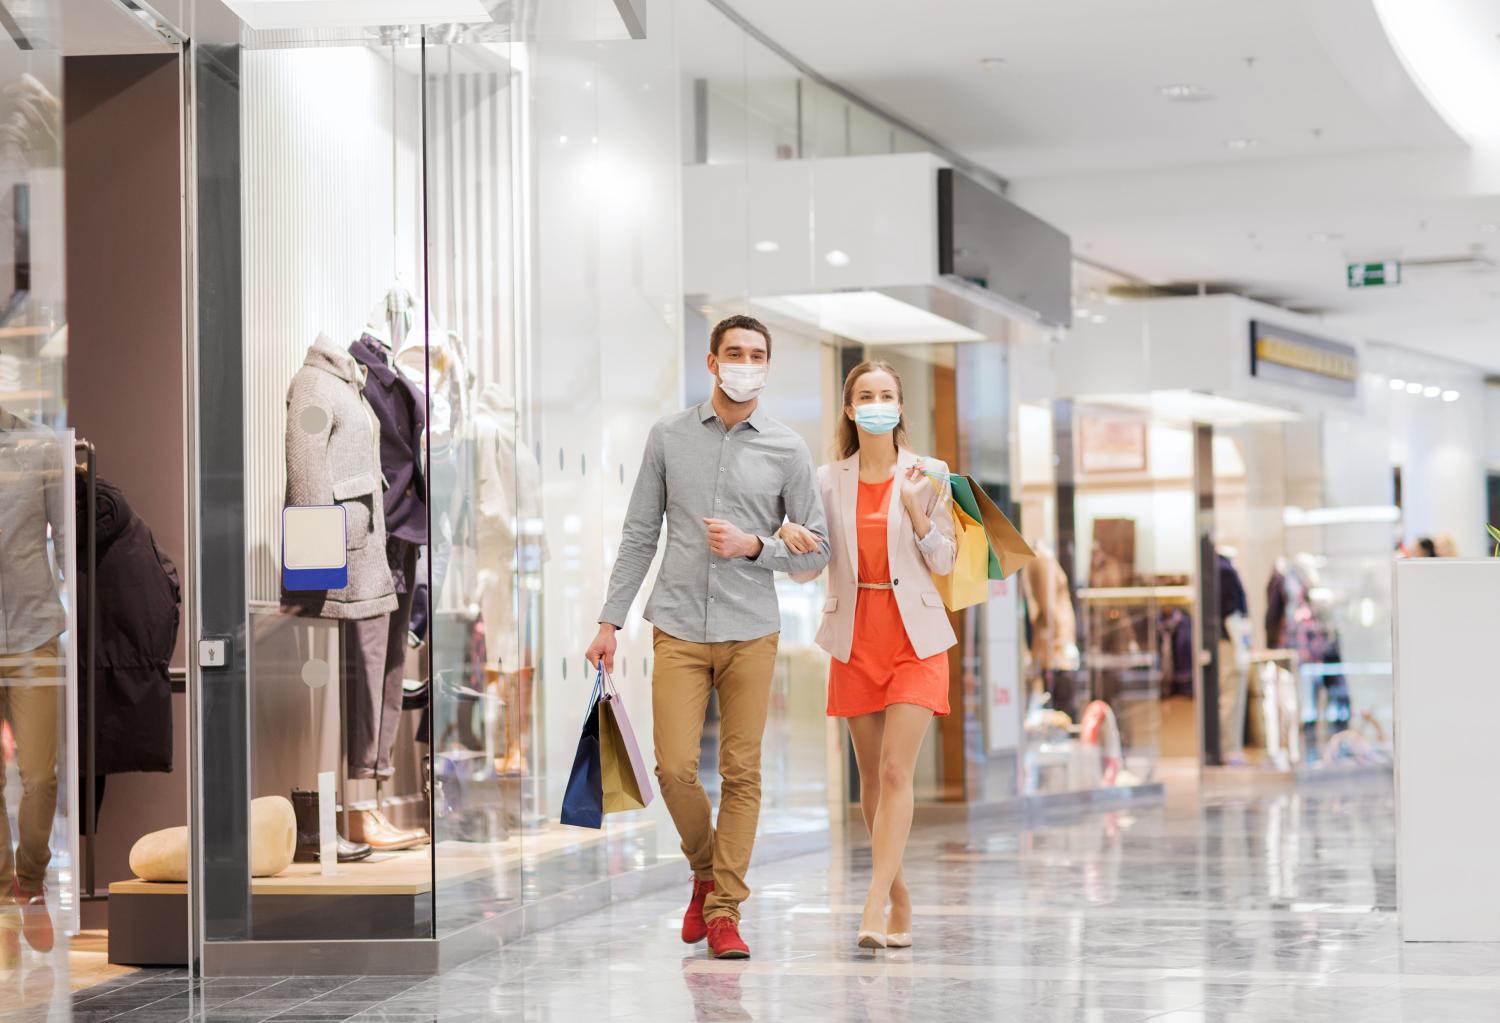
[{"x": 1111, "y": 445}]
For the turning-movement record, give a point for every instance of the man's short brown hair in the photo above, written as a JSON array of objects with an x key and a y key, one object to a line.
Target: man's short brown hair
[{"x": 724, "y": 326}]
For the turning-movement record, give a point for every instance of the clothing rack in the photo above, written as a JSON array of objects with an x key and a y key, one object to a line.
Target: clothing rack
[{"x": 85, "y": 450}]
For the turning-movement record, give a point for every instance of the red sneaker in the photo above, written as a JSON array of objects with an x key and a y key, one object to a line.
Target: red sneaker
[
  {"x": 724, "y": 941},
  {"x": 36, "y": 922},
  {"x": 694, "y": 929}
]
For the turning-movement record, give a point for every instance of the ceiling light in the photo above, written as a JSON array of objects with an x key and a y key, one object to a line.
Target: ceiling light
[
  {"x": 870, "y": 317},
  {"x": 1450, "y": 395},
  {"x": 1193, "y": 407},
  {"x": 1242, "y": 144},
  {"x": 1323, "y": 237},
  {"x": 992, "y": 63},
  {"x": 1182, "y": 92},
  {"x": 837, "y": 257},
  {"x": 1489, "y": 228},
  {"x": 1098, "y": 318},
  {"x": 1397, "y": 384},
  {"x": 1339, "y": 516},
  {"x": 1448, "y": 50},
  {"x": 1431, "y": 392},
  {"x": 1413, "y": 388},
  {"x": 766, "y": 246},
  {"x": 271, "y": 15}
]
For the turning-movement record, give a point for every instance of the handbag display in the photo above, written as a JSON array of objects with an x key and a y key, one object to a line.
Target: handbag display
[{"x": 608, "y": 773}]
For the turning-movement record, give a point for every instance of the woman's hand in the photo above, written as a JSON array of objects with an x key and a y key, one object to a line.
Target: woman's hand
[
  {"x": 916, "y": 492},
  {"x": 798, "y": 539}
]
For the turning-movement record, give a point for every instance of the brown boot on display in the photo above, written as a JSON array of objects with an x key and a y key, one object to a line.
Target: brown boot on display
[
  {"x": 372, "y": 827},
  {"x": 309, "y": 840}
]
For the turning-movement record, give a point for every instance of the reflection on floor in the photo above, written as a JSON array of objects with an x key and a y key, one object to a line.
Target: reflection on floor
[{"x": 1263, "y": 907}]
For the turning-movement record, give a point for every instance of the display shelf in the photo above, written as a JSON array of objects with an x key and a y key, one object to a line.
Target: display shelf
[{"x": 1136, "y": 595}]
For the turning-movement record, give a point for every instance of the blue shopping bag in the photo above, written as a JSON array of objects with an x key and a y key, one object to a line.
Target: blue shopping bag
[{"x": 583, "y": 802}]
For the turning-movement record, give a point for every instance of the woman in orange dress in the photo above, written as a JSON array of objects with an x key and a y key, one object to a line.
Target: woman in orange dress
[{"x": 884, "y": 624}]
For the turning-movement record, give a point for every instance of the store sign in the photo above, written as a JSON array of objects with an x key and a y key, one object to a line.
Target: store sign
[
  {"x": 1289, "y": 357},
  {"x": 1374, "y": 275}
]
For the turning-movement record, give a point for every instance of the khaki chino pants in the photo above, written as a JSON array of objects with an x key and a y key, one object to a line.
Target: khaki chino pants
[
  {"x": 684, "y": 675},
  {"x": 31, "y": 699}
]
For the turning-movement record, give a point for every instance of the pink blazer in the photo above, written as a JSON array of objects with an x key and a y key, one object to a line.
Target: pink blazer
[{"x": 913, "y": 561}]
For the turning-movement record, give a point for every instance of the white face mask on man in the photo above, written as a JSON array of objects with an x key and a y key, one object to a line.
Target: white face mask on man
[{"x": 743, "y": 381}]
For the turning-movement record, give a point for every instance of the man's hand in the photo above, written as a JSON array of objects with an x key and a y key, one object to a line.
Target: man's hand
[
  {"x": 727, "y": 540},
  {"x": 798, "y": 539},
  {"x": 603, "y": 647}
]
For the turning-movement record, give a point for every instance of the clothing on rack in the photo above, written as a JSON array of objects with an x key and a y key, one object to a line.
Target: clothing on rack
[
  {"x": 138, "y": 599},
  {"x": 1276, "y": 609},
  {"x": 1232, "y": 599},
  {"x": 402, "y": 413}
]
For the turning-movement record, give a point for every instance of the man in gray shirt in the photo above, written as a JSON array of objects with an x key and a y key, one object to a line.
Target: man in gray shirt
[{"x": 725, "y": 475}]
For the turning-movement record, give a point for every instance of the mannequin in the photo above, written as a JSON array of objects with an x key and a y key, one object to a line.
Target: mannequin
[
  {"x": 441, "y": 368},
  {"x": 333, "y": 457},
  {"x": 508, "y": 529}
]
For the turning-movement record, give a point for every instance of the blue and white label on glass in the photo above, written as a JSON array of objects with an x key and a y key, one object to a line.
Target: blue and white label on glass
[{"x": 314, "y": 554}]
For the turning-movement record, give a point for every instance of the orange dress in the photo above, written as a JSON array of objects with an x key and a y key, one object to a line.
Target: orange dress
[{"x": 883, "y": 668}]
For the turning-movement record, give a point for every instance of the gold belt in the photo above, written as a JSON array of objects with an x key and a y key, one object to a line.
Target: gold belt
[{"x": 876, "y": 586}]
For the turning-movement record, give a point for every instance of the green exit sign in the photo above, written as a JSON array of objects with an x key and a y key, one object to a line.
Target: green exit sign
[{"x": 1374, "y": 275}]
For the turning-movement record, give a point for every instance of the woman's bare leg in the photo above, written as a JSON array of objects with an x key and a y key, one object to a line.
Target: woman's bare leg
[
  {"x": 901, "y": 741},
  {"x": 866, "y": 731}
]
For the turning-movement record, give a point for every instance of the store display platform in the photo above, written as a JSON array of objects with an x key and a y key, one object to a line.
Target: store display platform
[{"x": 386, "y": 897}]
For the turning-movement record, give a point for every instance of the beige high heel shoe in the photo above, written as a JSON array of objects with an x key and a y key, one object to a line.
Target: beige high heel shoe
[
  {"x": 899, "y": 940},
  {"x": 871, "y": 939}
]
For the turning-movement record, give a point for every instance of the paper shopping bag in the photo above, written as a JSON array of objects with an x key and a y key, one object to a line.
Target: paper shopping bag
[
  {"x": 583, "y": 800},
  {"x": 968, "y": 584},
  {"x": 627, "y": 785},
  {"x": 1009, "y": 552}
]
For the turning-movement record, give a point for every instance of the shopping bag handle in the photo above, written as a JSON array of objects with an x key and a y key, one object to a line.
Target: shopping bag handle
[{"x": 604, "y": 685}]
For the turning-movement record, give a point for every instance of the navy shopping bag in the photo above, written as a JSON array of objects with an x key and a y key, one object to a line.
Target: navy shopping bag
[{"x": 583, "y": 802}]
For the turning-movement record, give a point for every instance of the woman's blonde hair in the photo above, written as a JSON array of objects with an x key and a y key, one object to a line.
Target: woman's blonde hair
[{"x": 847, "y": 435}]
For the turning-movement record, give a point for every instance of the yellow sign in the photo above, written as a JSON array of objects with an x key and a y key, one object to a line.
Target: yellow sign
[{"x": 1294, "y": 355}]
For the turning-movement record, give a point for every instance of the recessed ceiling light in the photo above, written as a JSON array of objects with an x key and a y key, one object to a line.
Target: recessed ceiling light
[
  {"x": 837, "y": 257},
  {"x": 1489, "y": 228},
  {"x": 1413, "y": 388},
  {"x": 1099, "y": 318},
  {"x": 992, "y": 63},
  {"x": 766, "y": 246},
  {"x": 1182, "y": 92},
  {"x": 1450, "y": 395},
  {"x": 1323, "y": 237},
  {"x": 1397, "y": 384},
  {"x": 1242, "y": 143},
  {"x": 1431, "y": 392}
]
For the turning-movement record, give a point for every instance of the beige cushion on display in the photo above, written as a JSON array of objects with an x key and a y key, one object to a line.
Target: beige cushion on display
[
  {"x": 163, "y": 855},
  {"x": 273, "y": 835}
]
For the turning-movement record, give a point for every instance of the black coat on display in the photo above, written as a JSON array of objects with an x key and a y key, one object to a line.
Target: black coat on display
[
  {"x": 402, "y": 411},
  {"x": 138, "y": 600}
]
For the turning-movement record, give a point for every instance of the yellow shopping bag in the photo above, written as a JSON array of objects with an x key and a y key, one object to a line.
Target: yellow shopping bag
[{"x": 969, "y": 582}]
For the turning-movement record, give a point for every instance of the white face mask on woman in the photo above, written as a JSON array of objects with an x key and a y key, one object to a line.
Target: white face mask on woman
[{"x": 742, "y": 381}]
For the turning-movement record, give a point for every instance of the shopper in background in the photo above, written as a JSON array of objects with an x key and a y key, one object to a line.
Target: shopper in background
[
  {"x": 884, "y": 622},
  {"x": 1426, "y": 548},
  {"x": 725, "y": 475}
]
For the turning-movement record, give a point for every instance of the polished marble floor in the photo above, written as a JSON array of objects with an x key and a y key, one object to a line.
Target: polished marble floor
[{"x": 1261, "y": 907}]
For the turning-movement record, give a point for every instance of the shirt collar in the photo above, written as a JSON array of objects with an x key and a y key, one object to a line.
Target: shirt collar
[{"x": 757, "y": 418}]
